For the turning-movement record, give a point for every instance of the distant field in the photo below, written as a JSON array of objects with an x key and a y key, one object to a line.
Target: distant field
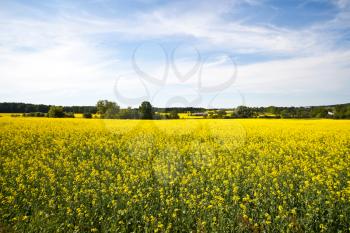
[
  {"x": 76, "y": 115},
  {"x": 80, "y": 115},
  {"x": 9, "y": 114},
  {"x": 254, "y": 175},
  {"x": 186, "y": 116}
]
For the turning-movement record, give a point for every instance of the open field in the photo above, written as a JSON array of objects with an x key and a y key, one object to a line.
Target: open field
[
  {"x": 186, "y": 116},
  {"x": 9, "y": 114},
  {"x": 91, "y": 175}
]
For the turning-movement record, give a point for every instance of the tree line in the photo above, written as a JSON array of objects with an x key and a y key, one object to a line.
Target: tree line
[
  {"x": 111, "y": 110},
  {"x": 340, "y": 111},
  {"x": 31, "y": 108}
]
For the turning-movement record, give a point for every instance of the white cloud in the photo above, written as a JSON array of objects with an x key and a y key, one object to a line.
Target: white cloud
[
  {"x": 326, "y": 73},
  {"x": 205, "y": 23},
  {"x": 341, "y": 3},
  {"x": 311, "y": 76},
  {"x": 62, "y": 55}
]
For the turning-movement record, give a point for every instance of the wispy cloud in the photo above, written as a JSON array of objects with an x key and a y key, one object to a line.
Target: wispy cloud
[
  {"x": 207, "y": 24},
  {"x": 70, "y": 48}
]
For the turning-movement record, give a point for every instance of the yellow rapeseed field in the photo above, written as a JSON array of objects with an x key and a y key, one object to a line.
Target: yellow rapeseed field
[{"x": 91, "y": 175}]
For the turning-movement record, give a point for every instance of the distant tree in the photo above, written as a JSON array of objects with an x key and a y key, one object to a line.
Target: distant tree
[
  {"x": 56, "y": 112},
  {"x": 101, "y": 106},
  {"x": 342, "y": 112},
  {"x": 244, "y": 112},
  {"x": 211, "y": 114},
  {"x": 271, "y": 109},
  {"x": 40, "y": 114},
  {"x": 128, "y": 113},
  {"x": 301, "y": 113},
  {"x": 34, "y": 114},
  {"x": 111, "y": 113},
  {"x": 87, "y": 115},
  {"x": 285, "y": 114},
  {"x": 221, "y": 113},
  {"x": 319, "y": 112},
  {"x": 146, "y": 110},
  {"x": 107, "y": 109},
  {"x": 173, "y": 115},
  {"x": 347, "y": 113},
  {"x": 292, "y": 111}
]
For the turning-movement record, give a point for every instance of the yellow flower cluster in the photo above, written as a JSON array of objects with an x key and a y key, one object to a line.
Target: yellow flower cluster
[{"x": 91, "y": 175}]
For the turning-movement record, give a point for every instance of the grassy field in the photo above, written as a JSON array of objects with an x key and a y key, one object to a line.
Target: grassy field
[{"x": 91, "y": 175}]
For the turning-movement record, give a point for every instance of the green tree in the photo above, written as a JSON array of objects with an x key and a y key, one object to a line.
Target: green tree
[
  {"x": 107, "y": 109},
  {"x": 146, "y": 110},
  {"x": 271, "y": 109},
  {"x": 87, "y": 115},
  {"x": 342, "y": 112},
  {"x": 319, "y": 112},
  {"x": 173, "y": 115},
  {"x": 128, "y": 113},
  {"x": 285, "y": 114},
  {"x": 56, "y": 111},
  {"x": 244, "y": 112},
  {"x": 221, "y": 113}
]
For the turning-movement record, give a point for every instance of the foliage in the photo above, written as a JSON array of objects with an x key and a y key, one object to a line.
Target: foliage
[
  {"x": 173, "y": 115},
  {"x": 56, "y": 112},
  {"x": 87, "y": 115},
  {"x": 29, "y": 108},
  {"x": 244, "y": 112},
  {"x": 129, "y": 113},
  {"x": 35, "y": 114},
  {"x": 179, "y": 109},
  {"x": 221, "y": 113},
  {"x": 69, "y": 114},
  {"x": 342, "y": 112},
  {"x": 146, "y": 110},
  {"x": 285, "y": 114},
  {"x": 79, "y": 175},
  {"x": 16, "y": 115},
  {"x": 107, "y": 109}
]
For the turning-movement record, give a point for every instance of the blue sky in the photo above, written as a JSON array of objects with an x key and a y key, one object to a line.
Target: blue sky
[{"x": 175, "y": 53}]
